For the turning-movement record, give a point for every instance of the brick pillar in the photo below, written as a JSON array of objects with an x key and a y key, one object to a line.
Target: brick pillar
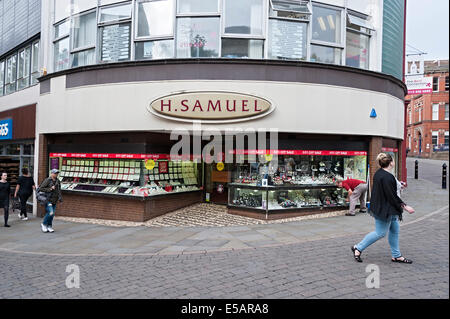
[
  {"x": 401, "y": 165},
  {"x": 374, "y": 149},
  {"x": 43, "y": 167}
]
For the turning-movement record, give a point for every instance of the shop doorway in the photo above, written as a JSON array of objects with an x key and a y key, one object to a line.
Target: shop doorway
[{"x": 217, "y": 178}]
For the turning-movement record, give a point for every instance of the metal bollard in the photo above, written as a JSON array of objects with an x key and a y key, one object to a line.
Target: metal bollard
[
  {"x": 416, "y": 170},
  {"x": 444, "y": 176}
]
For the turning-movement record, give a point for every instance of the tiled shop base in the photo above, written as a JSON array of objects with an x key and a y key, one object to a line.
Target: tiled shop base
[{"x": 199, "y": 215}]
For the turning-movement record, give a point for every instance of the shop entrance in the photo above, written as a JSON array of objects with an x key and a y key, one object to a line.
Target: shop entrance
[{"x": 216, "y": 182}]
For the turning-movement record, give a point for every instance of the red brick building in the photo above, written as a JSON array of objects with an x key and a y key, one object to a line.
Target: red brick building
[{"x": 427, "y": 118}]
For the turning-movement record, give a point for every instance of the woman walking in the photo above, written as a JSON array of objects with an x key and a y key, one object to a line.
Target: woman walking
[
  {"x": 24, "y": 188},
  {"x": 4, "y": 196},
  {"x": 387, "y": 208}
]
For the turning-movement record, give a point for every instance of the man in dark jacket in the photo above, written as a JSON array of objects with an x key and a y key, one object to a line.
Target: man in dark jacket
[{"x": 52, "y": 187}]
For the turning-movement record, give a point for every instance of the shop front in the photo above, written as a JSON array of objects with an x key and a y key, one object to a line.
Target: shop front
[
  {"x": 119, "y": 139},
  {"x": 17, "y": 134}
]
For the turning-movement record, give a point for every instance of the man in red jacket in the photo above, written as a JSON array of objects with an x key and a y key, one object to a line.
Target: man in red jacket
[{"x": 356, "y": 190}]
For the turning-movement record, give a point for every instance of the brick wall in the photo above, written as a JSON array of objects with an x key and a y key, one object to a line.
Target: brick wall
[
  {"x": 375, "y": 146},
  {"x": 125, "y": 209}
]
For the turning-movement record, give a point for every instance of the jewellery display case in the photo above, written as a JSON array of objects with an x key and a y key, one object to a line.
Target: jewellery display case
[
  {"x": 295, "y": 182},
  {"x": 127, "y": 176}
]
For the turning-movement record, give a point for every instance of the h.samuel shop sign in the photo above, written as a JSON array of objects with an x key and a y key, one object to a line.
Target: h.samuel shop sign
[{"x": 210, "y": 107}]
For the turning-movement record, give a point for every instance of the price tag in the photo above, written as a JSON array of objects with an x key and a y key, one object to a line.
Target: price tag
[{"x": 149, "y": 164}]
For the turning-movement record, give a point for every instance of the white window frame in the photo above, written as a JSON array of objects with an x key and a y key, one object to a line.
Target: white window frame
[
  {"x": 307, "y": 3},
  {"x": 343, "y": 39},
  {"x": 60, "y": 38},
  {"x": 101, "y": 25},
  {"x": 349, "y": 14},
  {"x": 37, "y": 72},
  {"x": 72, "y": 50},
  {"x": 3, "y": 76},
  {"x": 7, "y": 78},
  {"x": 197, "y": 15},
  {"x": 435, "y": 111},
  {"x": 446, "y": 112},
  {"x": 192, "y": 14},
  {"x": 263, "y": 36},
  {"x": 308, "y": 32},
  {"x": 25, "y": 67},
  {"x": 159, "y": 37},
  {"x": 437, "y": 78}
]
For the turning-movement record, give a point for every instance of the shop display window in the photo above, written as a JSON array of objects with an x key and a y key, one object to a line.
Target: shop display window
[
  {"x": 295, "y": 181},
  {"x": 127, "y": 176}
]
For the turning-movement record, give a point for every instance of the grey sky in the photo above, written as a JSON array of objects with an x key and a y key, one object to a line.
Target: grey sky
[{"x": 427, "y": 27}]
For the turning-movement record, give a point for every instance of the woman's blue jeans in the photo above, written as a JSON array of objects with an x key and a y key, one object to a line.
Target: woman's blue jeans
[
  {"x": 382, "y": 227},
  {"x": 48, "y": 218}
]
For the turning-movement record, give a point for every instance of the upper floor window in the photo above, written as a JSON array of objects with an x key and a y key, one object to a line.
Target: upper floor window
[
  {"x": 244, "y": 17},
  {"x": 24, "y": 66},
  {"x": 198, "y": 37},
  {"x": 2, "y": 76},
  {"x": 446, "y": 83},
  {"x": 435, "y": 84},
  {"x": 155, "y": 18},
  {"x": 357, "y": 42},
  {"x": 446, "y": 112},
  {"x": 84, "y": 31},
  {"x": 61, "y": 50},
  {"x": 115, "y": 33},
  {"x": 35, "y": 73},
  {"x": 326, "y": 43},
  {"x": 435, "y": 116},
  {"x": 288, "y": 27},
  {"x": 197, "y": 6},
  {"x": 11, "y": 74},
  {"x": 326, "y": 25}
]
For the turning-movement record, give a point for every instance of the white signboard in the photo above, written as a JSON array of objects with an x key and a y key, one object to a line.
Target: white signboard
[
  {"x": 419, "y": 84},
  {"x": 414, "y": 65}
]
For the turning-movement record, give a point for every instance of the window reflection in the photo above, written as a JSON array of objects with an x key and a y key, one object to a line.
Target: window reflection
[{"x": 197, "y": 37}]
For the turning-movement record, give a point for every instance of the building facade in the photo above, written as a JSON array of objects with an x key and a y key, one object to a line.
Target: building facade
[
  {"x": 427, "y": 115},
  {"x": 126, "y": 81},
  {"x": 20, "y": 64}
]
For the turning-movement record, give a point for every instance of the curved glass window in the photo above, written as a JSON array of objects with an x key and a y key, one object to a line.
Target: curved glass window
[
  {"x": 326, "y": 24},
  {"x": 155, "y": 18},
  {"x": 197, "y": 6},
  {"x": 244, "y": 17},
  {"x": 149, "y": 50},
  {"x": 198, "y": 37},
  {"x": 242, "y": 48}
]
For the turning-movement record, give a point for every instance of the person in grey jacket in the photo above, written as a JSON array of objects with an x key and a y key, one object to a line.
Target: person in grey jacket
[{"x": 51, "y": 186}]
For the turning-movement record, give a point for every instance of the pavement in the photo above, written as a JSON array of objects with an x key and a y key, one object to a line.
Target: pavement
[{"x": 301, "y": 259}]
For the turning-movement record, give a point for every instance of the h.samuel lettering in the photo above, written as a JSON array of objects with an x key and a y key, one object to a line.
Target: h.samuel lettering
[{"x": 187, "y": 105}]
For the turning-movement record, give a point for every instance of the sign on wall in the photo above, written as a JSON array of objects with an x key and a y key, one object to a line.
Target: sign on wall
[
  {"x": 210, "y": 106},
  {"x": 419, "y": 84},
  {"x": 6, "y": 128}
]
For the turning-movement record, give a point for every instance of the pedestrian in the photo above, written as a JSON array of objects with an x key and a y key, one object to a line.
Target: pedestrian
[
  {"x": 356, "y": 191},
  {"x": 24, "y": 189},
  {"x": 387, "y": 208},
  {"x": 5, "y": 192},
  {"x": 52, "y": 186}
]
